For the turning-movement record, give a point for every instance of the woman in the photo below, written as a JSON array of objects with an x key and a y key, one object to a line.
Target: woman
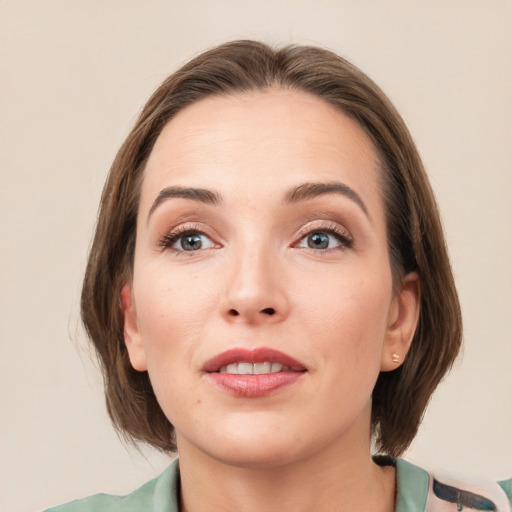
[{"x": 269, "y": 291}]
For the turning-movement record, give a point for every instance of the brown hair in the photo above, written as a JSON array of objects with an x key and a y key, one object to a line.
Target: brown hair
[{"x": 415, "y": 235}]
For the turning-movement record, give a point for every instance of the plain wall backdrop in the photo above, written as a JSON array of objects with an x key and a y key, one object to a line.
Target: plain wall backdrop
[{"x": 74, "y": 74}]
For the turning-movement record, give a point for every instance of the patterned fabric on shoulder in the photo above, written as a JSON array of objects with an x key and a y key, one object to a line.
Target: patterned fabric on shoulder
[{"x": 449, "y": 494}]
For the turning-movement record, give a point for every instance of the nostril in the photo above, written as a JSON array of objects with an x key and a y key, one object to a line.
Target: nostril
[
  {"x": 233, "y": 312},
  {"x": 268, "y": 311}
]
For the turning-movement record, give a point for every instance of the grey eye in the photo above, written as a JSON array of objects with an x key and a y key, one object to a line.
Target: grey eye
[
  {"x": 320, "y": 240},
  {"x": 192, "y": 242}
]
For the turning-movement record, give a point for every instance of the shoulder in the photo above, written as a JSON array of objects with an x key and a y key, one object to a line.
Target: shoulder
[
  {"x": 506, "y": 485},
  {"x": 419, "y": 490},
  {"x": 160, "y": 493}
]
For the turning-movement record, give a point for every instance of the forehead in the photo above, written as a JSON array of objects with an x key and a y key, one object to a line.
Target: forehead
[{"x": 275, "y": 138}]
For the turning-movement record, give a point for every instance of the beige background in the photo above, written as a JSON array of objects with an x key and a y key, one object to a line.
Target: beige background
[{"x": 73, "y": 75}]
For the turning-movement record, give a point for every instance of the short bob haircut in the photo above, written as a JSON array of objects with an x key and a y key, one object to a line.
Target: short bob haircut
[{"x": 415, "y": 235}]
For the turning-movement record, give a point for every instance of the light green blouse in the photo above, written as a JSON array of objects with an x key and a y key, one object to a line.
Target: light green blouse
[{"x": 162, "y": 494}]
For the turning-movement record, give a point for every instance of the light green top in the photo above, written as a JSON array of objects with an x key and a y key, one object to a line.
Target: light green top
[{"x": 162, "y": 493}]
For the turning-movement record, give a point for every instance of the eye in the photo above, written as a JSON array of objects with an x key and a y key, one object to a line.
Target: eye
[
  {"x": 192, "y": 242},
  {"x": 187, "y": 241},
  {"x": 319, "y": 240},
  {"x": 325, "y": 239}
]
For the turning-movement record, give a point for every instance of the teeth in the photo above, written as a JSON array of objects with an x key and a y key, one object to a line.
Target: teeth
[
  {"x": 254, "y": 369},
  {"x": 245, "y": 368},
  {"x": 276, "y": 367},
  {"x": 232, "y": 368},
  {"x": 260, "y": 368}
]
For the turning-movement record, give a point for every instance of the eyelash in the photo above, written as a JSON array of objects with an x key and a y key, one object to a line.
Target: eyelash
[
  {"x": 342, "y": 235},
  {"x": 168, "y": 240}
]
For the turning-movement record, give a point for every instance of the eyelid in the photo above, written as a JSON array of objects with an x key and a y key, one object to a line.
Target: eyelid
[
  {"x": 171, "y": 236},
  {"x": 344, "y": 239},
  {"x": 328, "y": 226}
]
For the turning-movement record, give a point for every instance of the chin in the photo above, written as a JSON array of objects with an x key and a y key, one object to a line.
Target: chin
[
  {"x": 261, "y": 447},
  {"x": 252, "y": 445},
  {"x": 256, "y": 457}
]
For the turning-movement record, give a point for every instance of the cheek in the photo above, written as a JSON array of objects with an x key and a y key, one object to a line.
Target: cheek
[
  {"x": 173, "y": 308},
  {"x": 348, "y": 317},
  {"x": 346, "y": 298}
]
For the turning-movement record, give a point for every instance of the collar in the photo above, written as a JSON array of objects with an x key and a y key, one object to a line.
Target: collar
[{"x": 412, "y": 488}]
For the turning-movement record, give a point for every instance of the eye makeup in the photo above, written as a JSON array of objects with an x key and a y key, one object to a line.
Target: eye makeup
[
  {"x": 197, "y": 236},
  {"x": 340, "y": 234}
]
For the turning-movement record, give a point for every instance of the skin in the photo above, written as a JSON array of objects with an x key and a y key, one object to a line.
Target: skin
[{"x": 306, "y": 446}]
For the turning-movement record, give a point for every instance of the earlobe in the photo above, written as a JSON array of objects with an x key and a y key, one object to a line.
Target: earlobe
[
  {"x": 131, "y": 331},
  {"x": 402, "y": 322}
]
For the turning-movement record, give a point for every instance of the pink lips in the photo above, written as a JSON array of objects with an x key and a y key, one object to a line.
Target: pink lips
[{"x": 253, "y": 385}]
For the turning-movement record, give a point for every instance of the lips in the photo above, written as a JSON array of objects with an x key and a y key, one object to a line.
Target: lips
[
  {"x": 253, "y": 373},
  {"x": 259, "y": 355},
  {"x": 254, "y": 368}
]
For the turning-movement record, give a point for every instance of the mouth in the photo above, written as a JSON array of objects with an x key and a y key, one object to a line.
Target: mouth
[
  {"x": 253, "y": 373},
  {"x": 254, "y": 368},
  {"x": 240, "y": 361}
]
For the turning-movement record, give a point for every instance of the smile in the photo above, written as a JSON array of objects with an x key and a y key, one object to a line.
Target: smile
[
  {"x": 242, "y": 361},
  {"x": 253, "y": 373},
  {"x": 254, "y": 368}
]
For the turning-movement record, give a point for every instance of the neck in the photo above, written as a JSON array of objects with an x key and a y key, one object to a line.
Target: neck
[{"x": 342, "y": 478}]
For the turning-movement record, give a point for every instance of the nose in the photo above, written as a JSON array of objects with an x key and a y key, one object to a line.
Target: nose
[{"x": 255, "y": 290}]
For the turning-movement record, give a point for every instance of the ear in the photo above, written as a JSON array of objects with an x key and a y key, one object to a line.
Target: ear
[
  {"x": 402, "y": 321},
  {"x": 132, "y": 334}
]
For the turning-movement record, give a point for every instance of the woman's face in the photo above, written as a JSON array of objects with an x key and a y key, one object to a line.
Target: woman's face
[{"x": 261, "y": 248}]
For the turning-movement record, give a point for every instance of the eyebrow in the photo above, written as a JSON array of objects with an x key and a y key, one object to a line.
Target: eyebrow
[
  {"x": 311, "y": 190},
  {"x": 302, "y": 192},
  {"x": 201, "y": 195}
]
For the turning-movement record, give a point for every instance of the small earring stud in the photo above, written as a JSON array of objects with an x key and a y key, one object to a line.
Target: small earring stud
[{"x": 395, "y": 357}]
